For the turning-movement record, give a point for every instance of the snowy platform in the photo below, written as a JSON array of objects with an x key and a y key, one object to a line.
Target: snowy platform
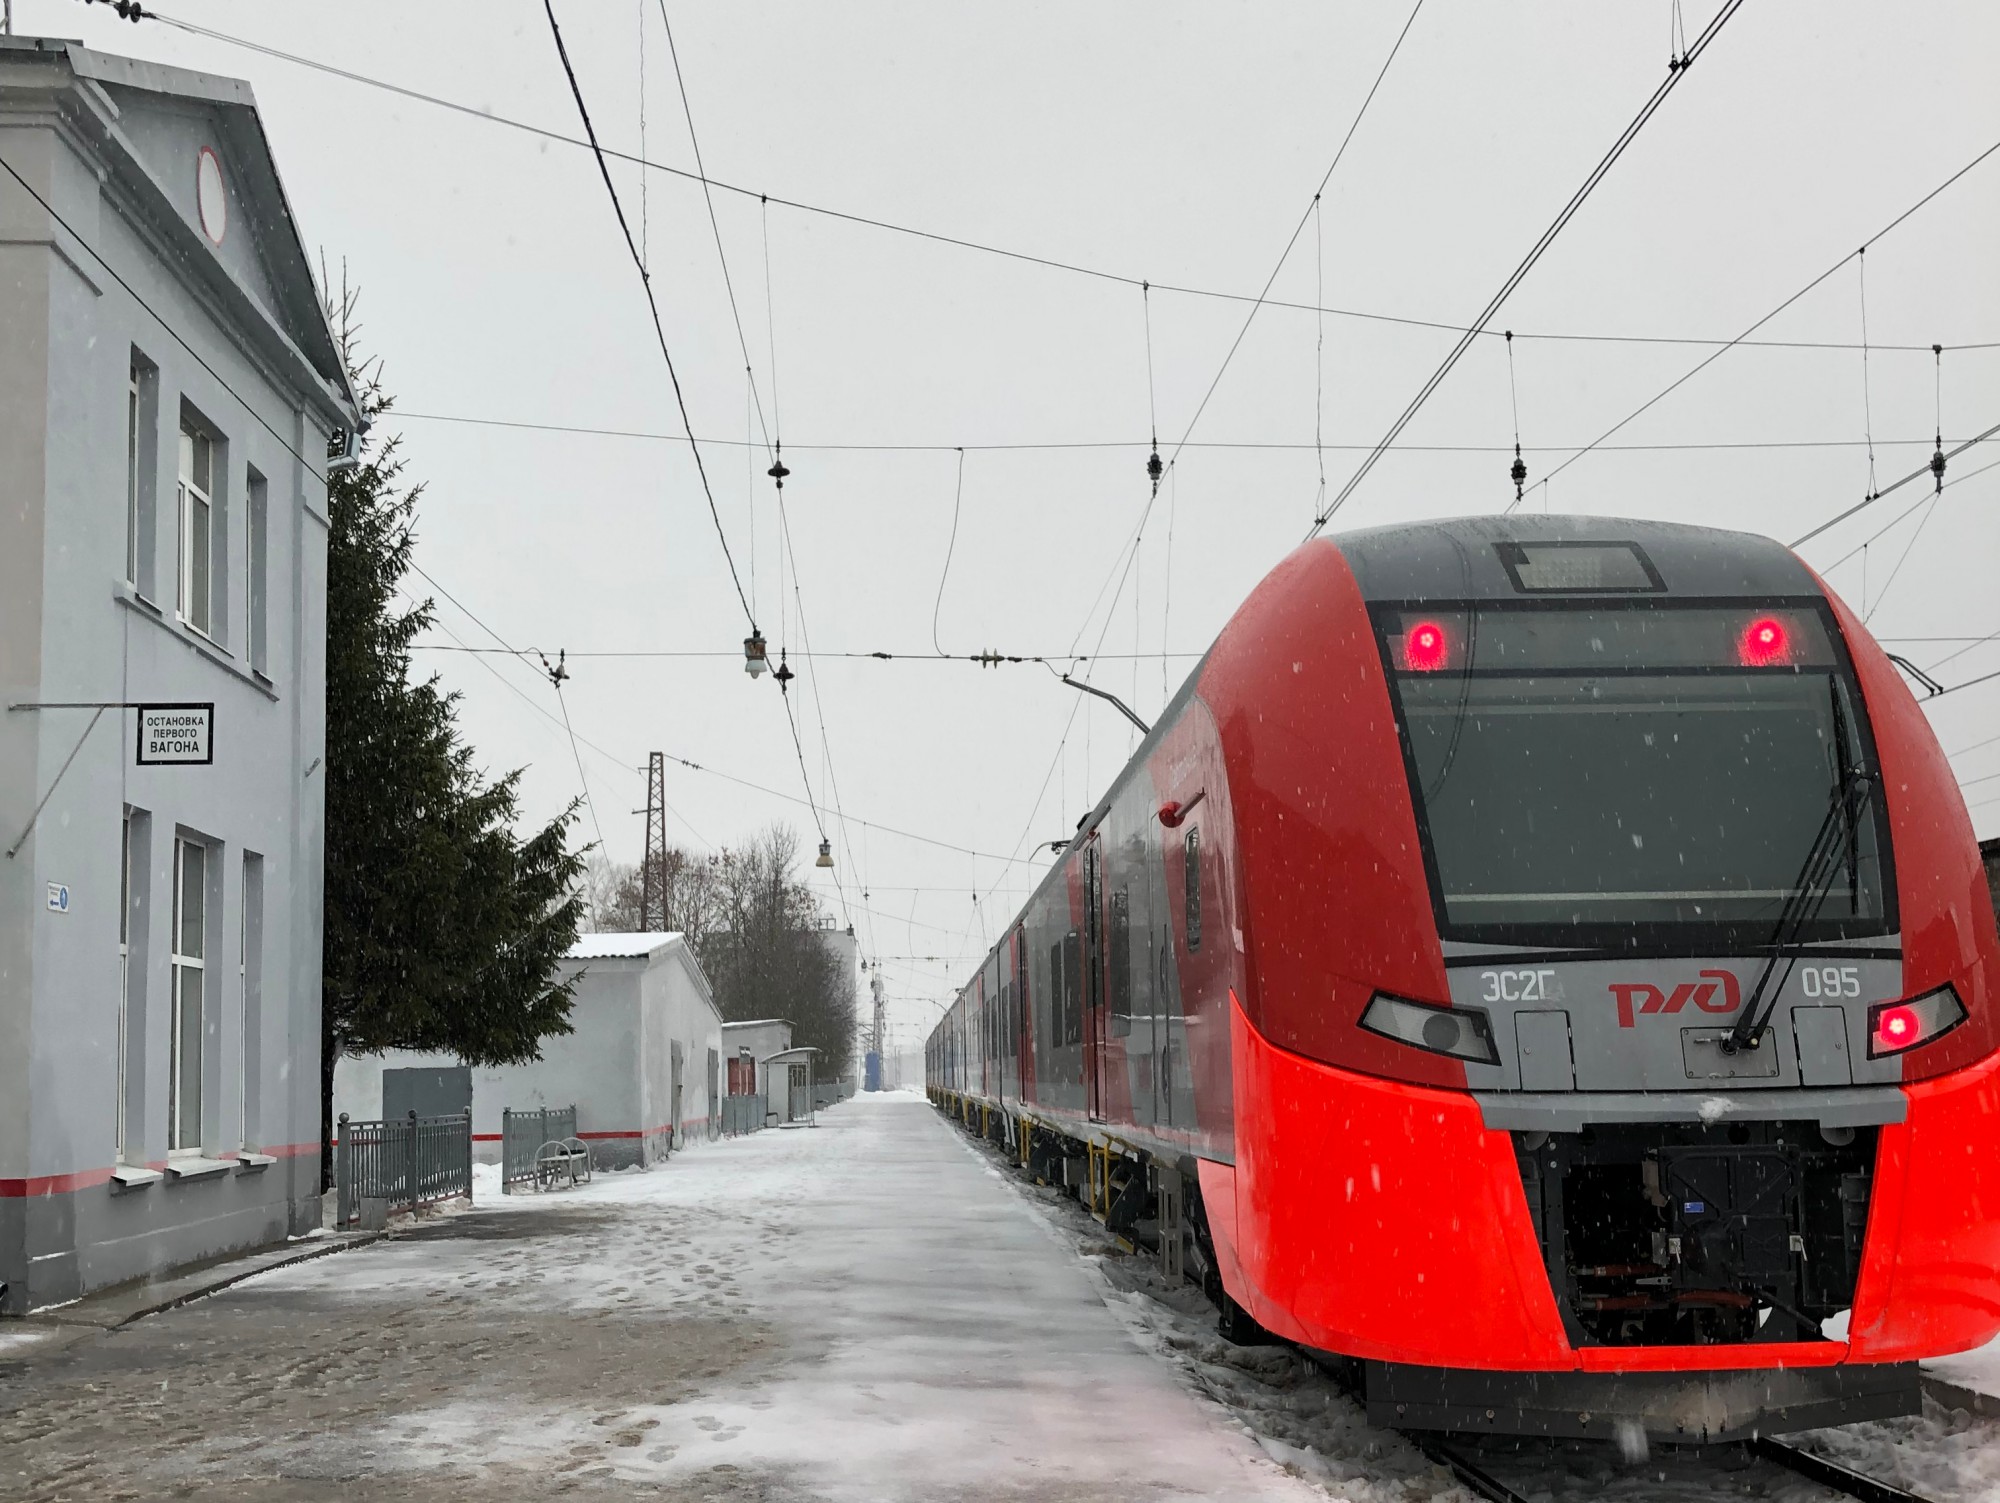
[{"x": 863, "y": 1310}]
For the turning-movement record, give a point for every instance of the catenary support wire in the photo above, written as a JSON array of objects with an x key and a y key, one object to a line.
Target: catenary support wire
[
  {"x": 1703, "y": 364},
  {"x": 1535, "y": 252},
  {"x": 652, "y": 304}
]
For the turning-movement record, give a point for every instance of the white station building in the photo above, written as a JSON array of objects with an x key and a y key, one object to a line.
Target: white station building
[
  {"x": 169, "y": 388},
  {"x": 643, "y": 1066}
]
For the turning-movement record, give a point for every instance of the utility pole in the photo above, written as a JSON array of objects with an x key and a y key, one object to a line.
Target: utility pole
[{"x": 653, "y": 865}]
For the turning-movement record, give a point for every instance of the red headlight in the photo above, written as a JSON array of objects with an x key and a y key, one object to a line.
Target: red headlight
[
  {"x": 1426, "y": 648},
  {"x": 1896, "y": 1026},
  {"x": 1764, "y": 644}
]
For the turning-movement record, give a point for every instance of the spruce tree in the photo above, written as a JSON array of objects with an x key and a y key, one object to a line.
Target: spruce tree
[{"x": 443, "y": 926}]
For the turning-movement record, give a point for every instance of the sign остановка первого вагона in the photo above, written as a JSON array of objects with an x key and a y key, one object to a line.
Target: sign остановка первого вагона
[{"x": 176, "y": 733}]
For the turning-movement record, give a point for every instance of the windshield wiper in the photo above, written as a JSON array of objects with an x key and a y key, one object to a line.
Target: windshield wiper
[{"x": 1839, "y": 837}]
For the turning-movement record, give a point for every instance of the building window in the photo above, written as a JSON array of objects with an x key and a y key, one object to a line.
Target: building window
[
  {"x": 196, "y": 500},
  {"x": 189, "y": 989},
  {"x": 255, "y": 547},
  {"x": 250, "y": 989},
  {"x": 124, "y": 970},
  {"x": 141, "y": 441}
]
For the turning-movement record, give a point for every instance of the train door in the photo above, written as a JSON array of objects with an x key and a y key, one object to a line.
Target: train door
[
  {"x": 1024, "y": 1038},
  {"x": 983, "y": 1033},
  {"x": 1093, "y": 979}
]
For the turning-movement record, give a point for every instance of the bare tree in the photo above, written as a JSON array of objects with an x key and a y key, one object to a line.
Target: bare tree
[
  {"x": 758, "y": 931},
  {"x": 769, "y": 956}
]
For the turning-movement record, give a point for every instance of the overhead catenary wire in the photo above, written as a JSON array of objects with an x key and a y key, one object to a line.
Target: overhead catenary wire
[
  {"x": 1890, "y": 489},
  {"x": 714, "y": 225},
  {"x": 491, "y": 117},
  {"x": 1131, "y": 550},
  {"x": 1518, "y": 472},
  {"x": 951, "y": 544},
  {"x": 773, "y": 435},
  {"x": 982, "y": 659},
  {"x": 1141, "y": 444},
  {"x": 652, "y": 304},
  {"x": 1742, "y": 339},
  {"x": 1867, "y": 396},
  {"x": 1903, "y": 516},
  {"x": 508, "y": 650},
  {"x": 1675, "y": 73}
]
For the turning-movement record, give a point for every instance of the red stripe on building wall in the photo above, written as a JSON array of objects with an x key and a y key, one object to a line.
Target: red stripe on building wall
[
  {"x": 84, "y": 1179},
  {"x": 53, "y": 1184}
]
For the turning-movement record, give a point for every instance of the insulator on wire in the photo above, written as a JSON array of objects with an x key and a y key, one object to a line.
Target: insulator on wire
[
  {"x": 1937, "y": 456},
  {"x": 1154, "y": 469},
  {"x": 1519, "y": 472},
  {"x": 778, "y": 472}
]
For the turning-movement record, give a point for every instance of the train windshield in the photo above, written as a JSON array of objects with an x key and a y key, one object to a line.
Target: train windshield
[{"x": 1621, "y": 777}]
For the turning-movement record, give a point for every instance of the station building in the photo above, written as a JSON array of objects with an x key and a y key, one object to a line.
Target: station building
[
  {"x": 169, "y": 389},
  {"x": 642, "y": 1066}
]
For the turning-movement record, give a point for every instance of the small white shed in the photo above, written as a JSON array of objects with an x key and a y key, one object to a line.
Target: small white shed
[{"x": 643, "y": 1068}]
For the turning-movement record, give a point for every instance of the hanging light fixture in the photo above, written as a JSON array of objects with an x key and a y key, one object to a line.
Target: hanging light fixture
[
  {"x": 754, "y": 659},
  {"x": 825, "y": 854}
]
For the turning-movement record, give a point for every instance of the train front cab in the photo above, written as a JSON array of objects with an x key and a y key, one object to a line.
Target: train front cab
[{"x": 1492, "y": 1139}]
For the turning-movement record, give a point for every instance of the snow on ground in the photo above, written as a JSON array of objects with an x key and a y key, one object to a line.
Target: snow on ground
[{"x": 923, "y": 1335}]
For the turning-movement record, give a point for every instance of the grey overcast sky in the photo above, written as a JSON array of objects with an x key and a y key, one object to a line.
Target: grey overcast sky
[{"x": 1174, "y": 142}]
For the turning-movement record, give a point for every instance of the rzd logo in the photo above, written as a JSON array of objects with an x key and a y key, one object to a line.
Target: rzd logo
[{"x": 1715, "y": 992}]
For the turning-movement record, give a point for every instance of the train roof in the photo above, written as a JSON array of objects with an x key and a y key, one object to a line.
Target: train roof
[{"x": 1505, "y": 558}]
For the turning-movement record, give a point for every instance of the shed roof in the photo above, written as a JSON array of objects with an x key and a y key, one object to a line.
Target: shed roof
[
  {"x": 619, "y": 946},
  {"x": 759, "y": 1023}
]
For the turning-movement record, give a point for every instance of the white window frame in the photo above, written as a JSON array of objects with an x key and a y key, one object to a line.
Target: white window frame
[
  {"x": 183, "y": 968},
  {"x": 124, "y": 980},
  {"x": 134, "y": 412},
  {"x": 188, "y": 497},
  {"x": 256, "y": 571}
]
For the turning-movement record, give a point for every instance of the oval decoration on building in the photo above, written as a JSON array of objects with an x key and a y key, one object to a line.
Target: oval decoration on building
[{"x": 211, "y": 198}]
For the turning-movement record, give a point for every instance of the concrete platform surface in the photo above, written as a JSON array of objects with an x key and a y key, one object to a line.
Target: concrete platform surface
[{"x": 864, "y": 1310}]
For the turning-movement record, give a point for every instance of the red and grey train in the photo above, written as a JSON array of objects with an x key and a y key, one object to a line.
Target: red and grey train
[{"x": 1544, "y": 961}]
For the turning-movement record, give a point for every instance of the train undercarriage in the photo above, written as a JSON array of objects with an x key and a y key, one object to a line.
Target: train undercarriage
[{"x": 1655, "y": 1235}]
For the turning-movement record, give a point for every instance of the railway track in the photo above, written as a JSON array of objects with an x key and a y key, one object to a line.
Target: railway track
[{"x": 1831, "y": 1474}]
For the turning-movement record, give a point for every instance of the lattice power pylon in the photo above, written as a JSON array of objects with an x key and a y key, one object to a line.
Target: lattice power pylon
[{"x": 653, "y": 866}]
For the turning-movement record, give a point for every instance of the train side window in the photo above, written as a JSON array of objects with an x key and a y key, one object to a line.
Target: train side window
[
  {"x": 1072, "y": 988},
  {"x": 1192, "y": 867},
  {"x": 1121, "y": 962}
]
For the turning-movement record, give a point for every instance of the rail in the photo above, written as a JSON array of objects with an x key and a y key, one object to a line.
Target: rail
[
  {"x": 1818, "y": 1469},
  {"x": 1830, "y": 1473},
  {"x": 408, "y": 1162}
]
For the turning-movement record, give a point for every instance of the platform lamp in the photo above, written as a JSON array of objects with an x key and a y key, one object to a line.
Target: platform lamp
[
  {"x": 825, "y": 857},
  {"x": 755, "y": 660}
]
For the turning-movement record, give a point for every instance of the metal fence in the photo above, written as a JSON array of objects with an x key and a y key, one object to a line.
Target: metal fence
[
  {"x": 741, "y": 1114},
  {"x": 829, "y": 1092},
  {"x": 524, "y": 1134},
  {"x": 408, "y": 1162}
]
